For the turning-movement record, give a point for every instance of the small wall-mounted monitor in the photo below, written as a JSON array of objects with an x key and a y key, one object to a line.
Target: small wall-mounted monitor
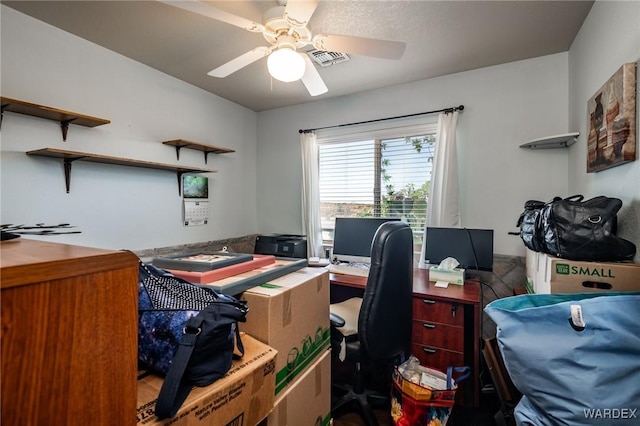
[
  {"x": 353, "y": 236},
  {"x": 473, "y": 248},
  {"x": 195, "y": 186}
]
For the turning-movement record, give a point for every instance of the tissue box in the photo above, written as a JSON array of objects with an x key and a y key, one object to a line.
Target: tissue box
[{"x": 452, "y": 276}]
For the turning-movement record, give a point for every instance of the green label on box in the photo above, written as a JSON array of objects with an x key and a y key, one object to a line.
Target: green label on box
[
  {"x": 299, "y": 358},
  {"x": 269, "y": 285},
  {"x": 566, "y": 269},
  {"x": 562, "y": 268}
]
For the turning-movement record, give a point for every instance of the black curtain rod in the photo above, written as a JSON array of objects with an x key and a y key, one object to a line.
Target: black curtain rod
[{"x": 445, "y": 110}]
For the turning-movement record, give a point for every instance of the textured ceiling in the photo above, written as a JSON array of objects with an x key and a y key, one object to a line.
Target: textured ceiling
[{"x": 443, "y": 37}]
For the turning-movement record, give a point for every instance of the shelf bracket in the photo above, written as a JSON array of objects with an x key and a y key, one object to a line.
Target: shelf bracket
[
  {"x": 67, "y": 171},
  {"x": 64, "y": 126},
  {"x": 206, "y": 153},
  {"x": 2, "y": 113},
  {"x": 178, "y": 151},
  {"x": 180, "y": 181}
]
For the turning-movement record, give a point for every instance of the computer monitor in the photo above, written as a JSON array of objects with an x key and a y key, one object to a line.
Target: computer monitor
[
  {"x": 353, "y": 236},
  {"x": 473, "y": 248}
]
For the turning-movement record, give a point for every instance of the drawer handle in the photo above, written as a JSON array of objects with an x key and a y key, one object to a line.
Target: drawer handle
[
  {"x": 429, "y": 301},
  {"x": 428, "y": 325},
  {"x": 429, "y": 350}
]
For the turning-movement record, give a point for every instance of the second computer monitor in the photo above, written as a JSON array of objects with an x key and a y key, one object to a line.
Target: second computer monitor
[
  {"x": 353, "y": 236},
  {"x": 472, "y": 248}
]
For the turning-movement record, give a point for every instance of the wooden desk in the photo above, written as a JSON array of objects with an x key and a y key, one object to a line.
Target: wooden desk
[{"x": 446, "y": 325}]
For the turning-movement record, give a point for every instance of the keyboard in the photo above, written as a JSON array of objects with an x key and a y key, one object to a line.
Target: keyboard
[{"x": 358, "y": 269}]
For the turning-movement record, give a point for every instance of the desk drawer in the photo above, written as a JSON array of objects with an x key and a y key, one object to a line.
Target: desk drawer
[
  {"x": 437, "y": 358},
  {"x": 438, "y": 335},
  {"x": 433, "y": 310}
]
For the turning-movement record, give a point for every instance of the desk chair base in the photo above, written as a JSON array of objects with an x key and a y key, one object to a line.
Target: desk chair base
[{"x": 363, "y": 397}]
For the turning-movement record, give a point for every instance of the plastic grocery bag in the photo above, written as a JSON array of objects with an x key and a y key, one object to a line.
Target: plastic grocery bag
[{"x": 574, "y": 357}]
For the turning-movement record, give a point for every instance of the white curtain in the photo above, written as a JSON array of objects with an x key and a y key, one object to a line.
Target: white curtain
[
  {"x": 311, "y": 194},
  {"x": 442, "y": 205}
]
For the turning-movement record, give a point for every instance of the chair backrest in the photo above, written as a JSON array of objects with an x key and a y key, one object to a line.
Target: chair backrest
[{"x": 384, "y": 321}]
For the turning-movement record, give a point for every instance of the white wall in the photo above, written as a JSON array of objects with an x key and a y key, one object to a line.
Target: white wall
[
  {"x": 114, "y": 206},
  {"x": 505, "y": 106},
  {"x": 123, "y": 207},
  {"x": 609, "y": 38}
]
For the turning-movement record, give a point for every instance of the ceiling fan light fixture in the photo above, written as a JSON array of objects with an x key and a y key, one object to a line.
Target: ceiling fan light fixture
[{"x": 285, "y": 64}]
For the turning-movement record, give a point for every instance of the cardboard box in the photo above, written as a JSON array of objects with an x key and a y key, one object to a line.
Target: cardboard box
[
  {"x": 291, "y": 314},
  {"x": 556, "y": 275},
  {"x": 538, "y": 285},
  {"x": 243, "y": 397},
  {"x": 452, "y": 276},
  {"x": 308, "y": 401},
  {"x": 531, "y": 265},
  {"x": 531, "y": 269}
]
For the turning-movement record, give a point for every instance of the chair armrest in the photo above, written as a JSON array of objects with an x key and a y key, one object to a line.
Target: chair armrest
[{"x": 336, "y": 320}]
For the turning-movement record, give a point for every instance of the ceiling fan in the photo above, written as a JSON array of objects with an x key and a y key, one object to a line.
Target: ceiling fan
[{"x": 285, "y": 28}]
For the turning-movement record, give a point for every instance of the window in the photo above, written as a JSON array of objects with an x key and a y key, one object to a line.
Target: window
[{"x": 367, "y": 176}]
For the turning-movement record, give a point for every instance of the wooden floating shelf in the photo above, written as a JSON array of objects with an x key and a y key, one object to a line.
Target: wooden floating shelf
[
  {"x": 41, "y": 111},
  {"x": 70, "y": 156},
  {"x": 207, "y": 149},
  {"x": 557, "y": 141}
]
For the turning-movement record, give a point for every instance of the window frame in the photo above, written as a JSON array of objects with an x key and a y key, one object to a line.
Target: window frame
[{"x": 377, "y": 131}]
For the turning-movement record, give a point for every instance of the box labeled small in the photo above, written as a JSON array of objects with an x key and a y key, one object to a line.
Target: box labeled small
[{"x": 556, "y": 275}]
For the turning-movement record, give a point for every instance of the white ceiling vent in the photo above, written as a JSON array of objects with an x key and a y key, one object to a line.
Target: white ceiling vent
[{"x": 327, "y": 58}]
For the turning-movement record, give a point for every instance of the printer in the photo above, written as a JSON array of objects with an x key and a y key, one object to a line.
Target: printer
[{"x": 282, "y": 245}]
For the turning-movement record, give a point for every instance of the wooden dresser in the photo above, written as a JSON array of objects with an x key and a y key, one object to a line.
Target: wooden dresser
[{"x": 69, "y": 333}]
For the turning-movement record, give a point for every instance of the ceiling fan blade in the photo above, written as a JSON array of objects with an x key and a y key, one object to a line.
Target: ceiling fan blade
[
  {"x": 239, "y": 62},
  {"x": 298, "y": 12},
  {"x": 311, "y": 78},
  {"x": 215, "y": 13},
  {"x": 384, "y": 49}
]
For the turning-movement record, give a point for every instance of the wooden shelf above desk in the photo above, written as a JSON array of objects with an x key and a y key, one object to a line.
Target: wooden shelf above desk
[
  {"x": 70, "y": 156},
  {"x": 49, "y": 113},
  {"x": 207, "y": 149}
]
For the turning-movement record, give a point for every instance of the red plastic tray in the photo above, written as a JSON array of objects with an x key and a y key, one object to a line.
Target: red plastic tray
[{"x": 259, "y": 260}]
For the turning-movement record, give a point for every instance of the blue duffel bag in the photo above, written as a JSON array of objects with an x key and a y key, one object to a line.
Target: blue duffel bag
[{"x": 574, "y": 357}]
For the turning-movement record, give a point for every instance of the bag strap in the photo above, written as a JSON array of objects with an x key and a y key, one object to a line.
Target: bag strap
[
  {"x": 239, "y": 344},
  {"x": 575, "y": 198},
  {"x": 173, "y": 392},
  {"x": 465, "y": 370}
]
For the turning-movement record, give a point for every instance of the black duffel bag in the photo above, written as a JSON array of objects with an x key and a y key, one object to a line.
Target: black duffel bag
[
  {"x": 583, "y": 230},
  {"x": 574, "y": 229},
  {"x": 528, "y": 224}
]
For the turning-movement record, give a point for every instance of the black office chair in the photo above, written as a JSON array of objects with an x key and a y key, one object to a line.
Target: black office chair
[{"x": 383, "y": 319}]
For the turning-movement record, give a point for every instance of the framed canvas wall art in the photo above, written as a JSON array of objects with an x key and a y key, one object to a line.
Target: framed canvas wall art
[{"x": 612, "y": 115}]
